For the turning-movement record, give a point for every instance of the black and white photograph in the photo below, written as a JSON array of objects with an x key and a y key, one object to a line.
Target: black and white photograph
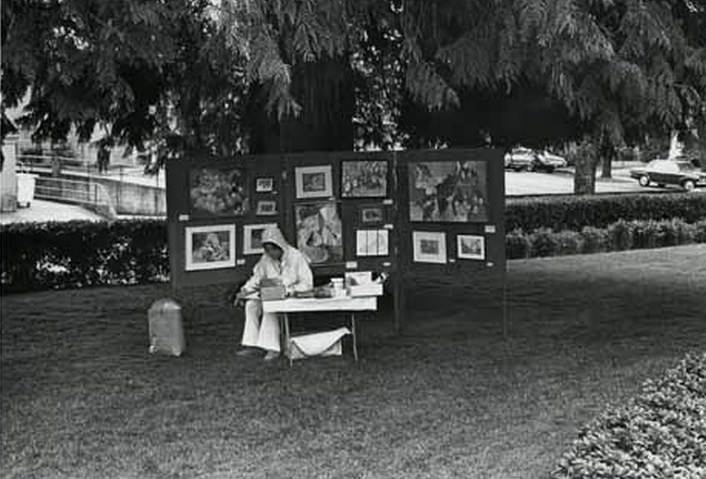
[
  {"x": 264, "y": 185},
  {"x": 313, "y": 239},
  {"x": 470, "y": 247},
  {"x": 252, "y": 237},
  {"x": 266, "y": 208},
  {"x": 210, "y": 247},
  {"x": 364, "y": 179},
  {"x": 313, "y": 181}
]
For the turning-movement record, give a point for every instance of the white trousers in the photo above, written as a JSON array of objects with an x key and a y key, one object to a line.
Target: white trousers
[{"x": 261, "y": 329}]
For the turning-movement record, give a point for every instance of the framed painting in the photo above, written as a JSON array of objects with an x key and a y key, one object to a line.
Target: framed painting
[
  {"x": 364, "y": 179},
  {"x": 264, "y": 185},
  {"x": 252, "y": 237},
  {"x": 210, "y": 247},
  {"x": 217, "y": 191},
  {"x": 320, "y": 232},
  {"x": 470, "y": 247},
  {"x": 313, "y": 181},
  {"x": 429, "y": 247},
  {"x": 372, "y": 214},
  {"x": 448, "y": 191},
  {"x": 266, "y": 208}
]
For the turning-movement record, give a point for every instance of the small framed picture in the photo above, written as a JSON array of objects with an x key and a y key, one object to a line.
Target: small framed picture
[
  {"x": 266, "y": 208},
  {"x": 372, "y": 214},
  {"x": 364, "y": 179},
  {"x": 252, "y": 237},
  {"x": 210, "y": 247},
  {"x": 470, "y": 247},
  {"x": 313, "y": 181},
  {"x": 264, "y": 185},
  {"x": 429, "y": 247},
  {"x": 372, "y": 243}
]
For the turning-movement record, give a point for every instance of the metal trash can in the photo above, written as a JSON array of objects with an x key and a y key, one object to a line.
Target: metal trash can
[{"x": 166, "y": 328}]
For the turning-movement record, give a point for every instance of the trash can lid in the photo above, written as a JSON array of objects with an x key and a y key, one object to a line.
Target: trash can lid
[{"x": 165, "y": 304}]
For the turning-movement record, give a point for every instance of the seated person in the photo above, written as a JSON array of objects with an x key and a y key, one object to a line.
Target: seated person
[{"x": 280, "y": 261}]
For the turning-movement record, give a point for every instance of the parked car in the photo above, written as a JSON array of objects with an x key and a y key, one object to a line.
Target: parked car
[
  {"x": 521, "y": 158},
  {"x": 669, "y": 172}
]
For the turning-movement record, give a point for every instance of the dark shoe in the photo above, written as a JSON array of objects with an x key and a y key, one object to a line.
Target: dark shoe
[
  {"x": 271, "y": 356},
  {"x": 247, "y": 352}
]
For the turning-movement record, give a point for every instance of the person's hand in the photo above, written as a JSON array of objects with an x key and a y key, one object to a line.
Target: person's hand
[{"x": 240, "y": 298}]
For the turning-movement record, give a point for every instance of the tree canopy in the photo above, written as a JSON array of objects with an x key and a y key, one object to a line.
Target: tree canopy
[{"x": 242, "y": 72}]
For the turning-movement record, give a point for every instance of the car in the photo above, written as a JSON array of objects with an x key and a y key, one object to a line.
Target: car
[
  {"x": 670, "y": 172},
  {"x": 522, "y": 158}
]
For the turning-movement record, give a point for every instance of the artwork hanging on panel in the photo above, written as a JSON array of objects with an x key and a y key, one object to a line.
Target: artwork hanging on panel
[
  {"x": 448, "y": 191},
  {"x": 252, "y": 237},
  {"x": 364, "y": 179},
  {"x": 429, "y": 247},
  {"x": 210, "y": 247},
  {"x": 264, "y": 185},
  {"x": 372, "y": 214},
  {"x": 266, "y": 208},
  {"x": 372, "y": 243},
  {"x": 313, "y": 181},
  {"x": 319, "y": 232},
  {"x": 217, "y": 191},
  {"x": 470, "y": 247}
]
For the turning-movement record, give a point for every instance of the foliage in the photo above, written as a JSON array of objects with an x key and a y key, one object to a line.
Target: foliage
[
  {"x": 76, "y": 254},
  {"x": 620, "y": 236},
  {"x": 574, "y": 213},
  {"x": 660, "y": 433}
]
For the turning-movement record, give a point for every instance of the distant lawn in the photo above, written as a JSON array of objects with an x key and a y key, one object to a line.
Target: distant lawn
[{"x": 448, "y": 398}]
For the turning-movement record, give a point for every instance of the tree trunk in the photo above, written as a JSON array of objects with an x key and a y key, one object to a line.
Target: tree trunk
[
  {"x": 325, "y": 91},
  {"x": 607, "y": 164},
  {"x": 586, "y": 164}
]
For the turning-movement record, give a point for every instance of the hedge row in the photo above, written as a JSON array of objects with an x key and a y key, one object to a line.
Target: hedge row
[
  {"x": 619, "y": 236},
  {"x": 576, "y": 212},
  {"x": 659, "y": 434},
  {"x": 37, "y": 256}
]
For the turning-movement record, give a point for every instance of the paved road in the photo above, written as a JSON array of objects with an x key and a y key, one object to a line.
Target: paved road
[
  {"x": 562, "y": 182},
  {"x": 40, "y": 211}
]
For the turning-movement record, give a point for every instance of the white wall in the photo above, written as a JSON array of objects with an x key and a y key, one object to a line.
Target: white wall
[{"x": 8, "y": 176}]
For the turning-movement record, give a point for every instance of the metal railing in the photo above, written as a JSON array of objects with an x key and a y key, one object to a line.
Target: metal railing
[{"x": 89, "y": 194}]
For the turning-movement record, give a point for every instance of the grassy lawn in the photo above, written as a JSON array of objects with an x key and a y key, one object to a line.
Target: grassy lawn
[{"x": 448, "y": 398}]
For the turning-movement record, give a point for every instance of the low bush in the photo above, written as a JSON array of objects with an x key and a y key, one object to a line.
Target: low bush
[
  {"x": 74, "y": 254},
  {"x": 576, "y": 212},
  {"x": 621, "y": 235},
  {"x": 660, "y": 433}
]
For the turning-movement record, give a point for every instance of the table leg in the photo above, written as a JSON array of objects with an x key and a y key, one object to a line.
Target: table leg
[
  {"x": 287, "y": 339},
  {"x": 355, "y": 339}
]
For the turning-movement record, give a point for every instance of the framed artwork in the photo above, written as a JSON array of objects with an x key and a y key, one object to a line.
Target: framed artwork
[
  {"x": 372, "y": 214},
  {"x": 266, "y": 208},
  {"x": 313, "y": 181},
  {"x": 210, "y": 247},
  {"x": 252, "y": 237},
  {"x": 429, "y": 247},
  {"x": 319, "y": 232},
  {"x": 217, "y": 191},
  {"x": 264, "y": 185},
  {"x": 448, "y": 191},
  {"x": 470, "y": 247},
  {"x": 364, "y": 179},
  {"x": 372, "y": 243}
]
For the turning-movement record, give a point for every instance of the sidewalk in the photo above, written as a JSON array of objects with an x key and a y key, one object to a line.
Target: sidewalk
[{"x": 41, "y": 211}]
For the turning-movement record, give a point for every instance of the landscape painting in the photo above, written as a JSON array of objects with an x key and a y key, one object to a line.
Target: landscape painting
[
  {"x": 364, "y": 179},
  {"x": 217, "y": 192}
]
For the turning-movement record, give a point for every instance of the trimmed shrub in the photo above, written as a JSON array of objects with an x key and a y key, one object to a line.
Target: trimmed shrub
[
  {"x": 700, "y": 232},
  {"x": 595, "y": 240},
  {"x": 542, "y": 242},
  {"x": 38, "y": 256},
  {"x": 621, "y": 235},
  {"x": 517, "y": 244},
  {"x": 568, "y": 242},
  {"x": 660, "y": 433},
  {"x": 575, "y": 212}
]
